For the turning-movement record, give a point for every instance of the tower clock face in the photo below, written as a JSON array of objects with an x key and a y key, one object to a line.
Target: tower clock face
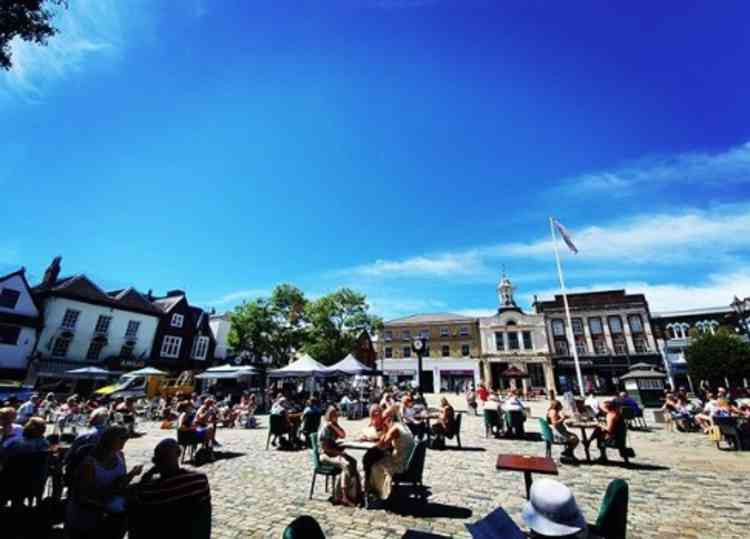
[{"x": 418, "y": 345}]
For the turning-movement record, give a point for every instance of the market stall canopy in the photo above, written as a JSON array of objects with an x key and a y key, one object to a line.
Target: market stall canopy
[
  {"x": 301, "y": 368},
  {"x": 513, "y": 372},
  {"x": 226, "y": 372},
  {"x": 642, "y": 367},
  {"x": 351, "y": 366},
  {"x": 89, "y": 373},
  {"x": 147, "y": 371}
]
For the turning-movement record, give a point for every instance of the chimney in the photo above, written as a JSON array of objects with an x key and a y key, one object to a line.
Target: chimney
[
  {"x": 52, "y": 273},
  {"x": 150, "y": 295},
  {"x": 175, "y": 293}
]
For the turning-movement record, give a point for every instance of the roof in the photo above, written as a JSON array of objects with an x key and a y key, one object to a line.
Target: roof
[
  {"x": 81, "y": 288},
  {"x": 694, "y": 312},
  {"x": 592, "y": 299},
  {"x": 167, "y": 304},
  {"x": 434, "y": 318},
  {"x": 225, "y": 316}
]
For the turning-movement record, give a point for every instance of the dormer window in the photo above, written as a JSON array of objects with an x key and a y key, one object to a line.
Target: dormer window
[
  {"x": 9, "y": 298},
  {"x": 177, "y": 320}
]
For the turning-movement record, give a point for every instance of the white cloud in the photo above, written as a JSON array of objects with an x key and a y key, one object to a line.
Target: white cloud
[
  {"x": 438, "y": 265},
  {"x": 87, "y": 28},
  {"x": 239, "y": 295},
  {"x": 732, "y": 165},
  {"x": 717, "y": 291},
  {"x": 476, "y": 313}
]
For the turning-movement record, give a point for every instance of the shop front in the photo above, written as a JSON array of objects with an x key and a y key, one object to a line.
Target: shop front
[{"x": 445, "y": 375}]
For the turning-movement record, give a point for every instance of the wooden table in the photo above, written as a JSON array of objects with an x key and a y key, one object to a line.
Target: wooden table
[
  {"x": 585, "y": 440},
  {"x": 362, "y": 445},
  {"x": 528, "y": 465}
]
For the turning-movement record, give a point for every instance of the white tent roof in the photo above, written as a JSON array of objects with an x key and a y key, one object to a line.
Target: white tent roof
[
  {"x": 226, "y": 372},
  {"x": 304, "y": 366},
  {"x": 350, "y": 365},
  {"x": 147, "y": 371},
  {"x": 89, "y": 372}
]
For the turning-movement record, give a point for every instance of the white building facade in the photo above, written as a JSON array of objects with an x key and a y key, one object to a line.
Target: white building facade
[
  {"x": 220, "y": 325},
  {"x": 513, "y": 338},
  {"x": 19, "y": 323}
]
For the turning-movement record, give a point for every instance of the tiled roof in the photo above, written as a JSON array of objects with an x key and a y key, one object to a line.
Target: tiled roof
[
  {"x": 131, "y": 298},
  {"x": 417, "y": 319},
  {"x": 166, "y": 304},
  {"x": 81, "y": 288}
]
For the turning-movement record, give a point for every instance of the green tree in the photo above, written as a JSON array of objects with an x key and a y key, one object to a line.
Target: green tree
[
  {"x": 30, "y": 20},
  {"x": 334, "y": 322},
  {"x": 716, "y": 357}
]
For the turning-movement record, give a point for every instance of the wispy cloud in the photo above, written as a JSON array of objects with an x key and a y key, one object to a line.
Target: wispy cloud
[
  {"x": 730, "y": 166},
  {"x": 87, "y": 28},
  {"x": 238, "y": 296},
  {"x": 438, "y": 265},
  {"x": 716, "y": 291}
]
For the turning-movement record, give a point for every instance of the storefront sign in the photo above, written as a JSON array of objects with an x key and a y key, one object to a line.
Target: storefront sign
[
  {"x": 456, "y": 373},
  {"x": 401, "y": 372}
]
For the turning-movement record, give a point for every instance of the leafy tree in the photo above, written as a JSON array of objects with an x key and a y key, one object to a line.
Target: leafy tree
[
  {"x": 29, "y": 20},
  {"x": 716, "y": 357},
  {"x": 334, "y": 322}
]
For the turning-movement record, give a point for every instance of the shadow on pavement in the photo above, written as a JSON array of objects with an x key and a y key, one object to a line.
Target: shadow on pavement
[{"x": 416, "y": 534}]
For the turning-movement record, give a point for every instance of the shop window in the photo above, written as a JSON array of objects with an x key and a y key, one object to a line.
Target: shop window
[
  {"x": 527, "y": 343},
  {"x": 499, "y": 342}
]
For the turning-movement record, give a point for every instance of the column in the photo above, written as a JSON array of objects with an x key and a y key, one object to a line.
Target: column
[
  {"x": 628, "y": 335},
  {"x": 549, "y": 374},
  {"x": 650, "y": 341},
  {"x": 608, "y": 336},
  {"x": 587, "y": 335}
]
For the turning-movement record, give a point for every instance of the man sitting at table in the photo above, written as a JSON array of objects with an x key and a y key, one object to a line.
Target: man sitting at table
[
  {"x": 445, "y": 426},
  {"x": 409, "y": 417},
  {"x": 556, "y": 419},
  {"x": 607, "y": 435}
]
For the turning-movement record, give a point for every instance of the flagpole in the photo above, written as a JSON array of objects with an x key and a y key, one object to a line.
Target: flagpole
[{"x": 569, "y": 327}]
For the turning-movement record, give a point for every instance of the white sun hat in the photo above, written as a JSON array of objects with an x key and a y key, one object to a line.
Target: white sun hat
[{"x": 552, "y": 510}]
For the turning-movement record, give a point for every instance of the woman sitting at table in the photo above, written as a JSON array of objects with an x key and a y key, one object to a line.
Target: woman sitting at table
[
  {"x": 347, "y": 489},
  {"x": 446, "y": 423},
  {"x": 556, "y": 419},
  {"x": 187, "y": 422},
  {"x": 409, "y": 417},
  {"x": 397, "y": 442},
  {"x": 608, "y": 434}
]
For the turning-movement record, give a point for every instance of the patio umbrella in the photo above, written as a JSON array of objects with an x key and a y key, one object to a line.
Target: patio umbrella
[{"x": 513, "y": 372}]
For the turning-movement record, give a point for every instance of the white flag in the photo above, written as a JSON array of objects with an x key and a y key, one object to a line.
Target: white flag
[{"x": 565, "y": 236}]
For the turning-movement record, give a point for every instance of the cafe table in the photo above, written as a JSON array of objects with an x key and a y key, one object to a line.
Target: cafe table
[
  {"x": 586, "y": 440},
  {"x": 526, "y": 464},
  {"x": 362, "y": 445}
]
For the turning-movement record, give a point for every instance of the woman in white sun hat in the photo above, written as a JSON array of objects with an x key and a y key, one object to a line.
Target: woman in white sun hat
[{"x": 552, "y": 511}]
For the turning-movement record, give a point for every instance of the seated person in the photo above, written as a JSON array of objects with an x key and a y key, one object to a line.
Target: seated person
[
  {"x": 552, "y": 511},
  {"x": 31, "y": 441},
  {"x": 372, "y": 433},
  {"x": 386, "y": 401},
  {"x": 9, "y": 429},
  {"x": 187, "y": 423},
  {"x": 630, "y": 402},
  {"x": 169, "y": 500},
  {"x": 556, "y": 419},
  {"x": 705, "y": 418},
  {"x": 347, "y": 488},
  {"x": 397, "y": 444},
  {"x": 513, "y": 406},
  {"x": 311, "y": 416},
  {"x": 409, "y": 417},
  {"x": 445, "y": 426},
  {"x": 28, "y": 409},
  {"x": 607, "y": 435}
]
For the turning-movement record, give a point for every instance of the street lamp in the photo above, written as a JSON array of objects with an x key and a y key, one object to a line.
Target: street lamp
[
  {"x": 418, "y": 345},
  {"x": 742, "y": 308}
]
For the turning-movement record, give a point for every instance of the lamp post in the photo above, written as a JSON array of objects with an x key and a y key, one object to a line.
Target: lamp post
[
  {"x": 418, "y": 345},
  {"x": 742, "y": 308}
]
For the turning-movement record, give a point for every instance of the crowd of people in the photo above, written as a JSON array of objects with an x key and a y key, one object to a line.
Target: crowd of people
[{"x": 700, "y": 414}]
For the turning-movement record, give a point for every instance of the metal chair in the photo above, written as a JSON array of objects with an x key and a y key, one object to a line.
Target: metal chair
[
  {"x": 548, "y": 436},
  {"x": 320, "y": 468},
  {"x": 414, "y": 471}
]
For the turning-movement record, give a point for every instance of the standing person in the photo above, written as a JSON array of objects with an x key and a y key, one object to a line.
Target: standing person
[
  {"x": 396, "y": 443},
  {"x": 556, "y": 419},
  {"x": 28, "y": 409},
  {"x": 96, "y": 502},
  {"x": 347, "y": 489},
  {"x": 31, "y": 441},
  {"x": 471, "y": 400},
  {"x": 483, "y": 394}
]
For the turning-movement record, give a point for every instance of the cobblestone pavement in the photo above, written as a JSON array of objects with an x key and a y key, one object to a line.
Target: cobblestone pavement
[{"x": 685, "y": 488}]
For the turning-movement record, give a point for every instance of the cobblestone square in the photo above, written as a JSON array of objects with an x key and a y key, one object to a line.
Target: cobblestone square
[{"x": 681, "y": 486}]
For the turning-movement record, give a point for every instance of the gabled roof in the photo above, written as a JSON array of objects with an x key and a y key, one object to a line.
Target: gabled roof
[
  {"x": 198, "y": 315},
  {"x": 131, "y": 298},
  {"x": 417, "y": 319},
  {"x": 167, "y": 304}
]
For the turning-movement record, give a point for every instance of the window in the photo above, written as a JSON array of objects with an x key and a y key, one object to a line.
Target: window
[
  {"x": 388, "y": 335},
  {"x": 561, "y": 348},
  {"x": 445, "y": 332},
  {"x": 465, "y": 350},
  {"x": 177, "y": 320},
  {"x": 656, "y": 385},
  {"x": 445, "y": 350},
  {"x": 389, "y": 352},
  {"x": 126, "y": 351},
  {"x": 464, "y": 331},
  {"x": 170, "y": 346},
  {"x": 60, "y": 348},
  {"x": 600, "y": 346},
  {"x": 636, "y": 325},
  {"x": 527, "y": 344},
  {"x": 102, "y": 325},
  {"x": 595, "y": 326},
  {"x": 621, "y": 347},
  {"x": 581, "y": 348},
  {"x": 9, "y": 298},
  {"x": 639, "y": 343},
  {"x": 558, "y": 328},
  {"x": 406, "y": 335},
  {"x": 677, "y": 331},
  {"x": 536, "y": 373},
  {"x": 512, "y": 340},
  {"x": 132, "y": 330},
  {"x": 9, "y": 334},
  {"x": 499, "y": 342},
  {"x": 95, "y": 348},
  {"x": 70, "y": 319},
  {"x": 615, "y": 325},
  {"x": 424, "y": 334},
  {"x": 406, "y": 350},
  {"x": 577, "y": 326},
  {"x": 200, "y": 347}
]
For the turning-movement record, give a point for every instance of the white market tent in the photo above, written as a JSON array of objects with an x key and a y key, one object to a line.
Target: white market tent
[
  {"x": 89, "y": 373},
  {"x": 351, "y": 366},
  {"x": 147, "y": 371},
  {"x": 303, "y": 367},
  {"x": 226, "y": 372}
]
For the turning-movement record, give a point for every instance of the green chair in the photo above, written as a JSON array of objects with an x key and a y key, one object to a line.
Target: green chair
[
  {"x": 414, "y": 471},
  {"x": 457, "y": 431},
  {"x": 547, "y": 436},
  {"x": 310, "y": 425},
  {"x": 492, "y": 422},
  {"x": 612, "y": 522},
  {"x": 304, "y": 527},
  {"x": 619, "y": 442},
  {"x": 320, "y": 468},
  {"x": 514, "y": 420}
]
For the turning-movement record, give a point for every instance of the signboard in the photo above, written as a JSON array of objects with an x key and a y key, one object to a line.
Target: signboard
[
  {"x": 400, "y": 372},
  {"x": 129, "y": 363},
  {"x": 464, "y": 372},
  {"x": 631, "y": 385}
]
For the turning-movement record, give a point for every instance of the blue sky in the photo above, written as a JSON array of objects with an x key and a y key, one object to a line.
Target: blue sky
[{"x": 407, "y": 148}]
